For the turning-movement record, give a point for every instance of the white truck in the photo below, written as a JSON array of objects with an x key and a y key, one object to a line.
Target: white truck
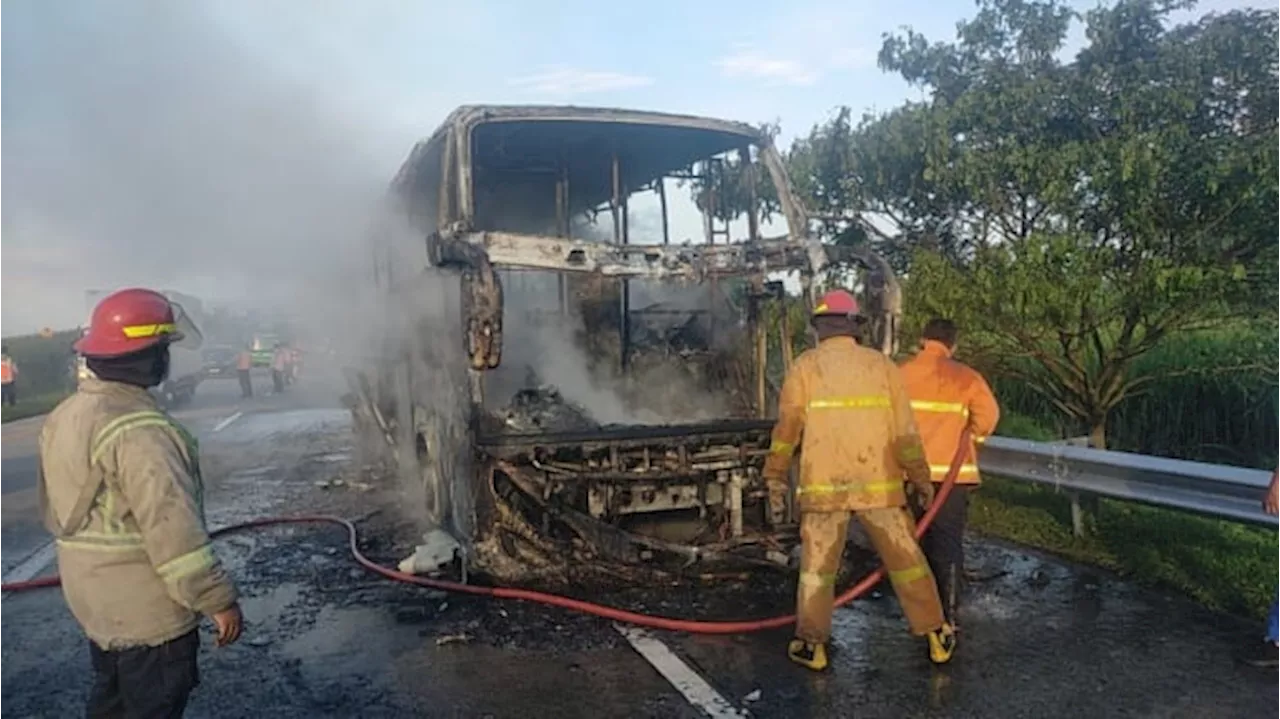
[{"x": 186, "y": 364}]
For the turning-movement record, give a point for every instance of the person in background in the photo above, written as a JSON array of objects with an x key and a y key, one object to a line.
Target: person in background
[
  {"x": 846, "y": 409},
  {"x": 8, "y": 377},
  {"x": 948, "y": 397},
  {"x": 279, "y": 365},
  {"x": 120, "y": 490},
  {"x": 1270, "y": 654},
  {"x": 295, "y": 363},
  {"x": 244, "y": 365}
]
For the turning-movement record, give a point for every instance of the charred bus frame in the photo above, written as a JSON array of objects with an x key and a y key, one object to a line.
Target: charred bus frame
[{"x": 497, "y": 188}]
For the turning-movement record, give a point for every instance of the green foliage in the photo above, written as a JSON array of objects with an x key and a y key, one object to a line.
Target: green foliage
[
  {"x": 1202, "y": 407},
  {"x": 726, "y": 189},
  {"x": 1108, "y": 202},
  {"x": 44, "y": 363},
  {"x": 1021, "y": 426},
  {"x": 31, "y": 406}
]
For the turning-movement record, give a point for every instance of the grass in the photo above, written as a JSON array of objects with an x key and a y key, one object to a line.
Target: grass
[
  {"x": 31, "y": 407},
  {"x": 1200, "y": 409},
  {"x": 1223, "y": 565}
]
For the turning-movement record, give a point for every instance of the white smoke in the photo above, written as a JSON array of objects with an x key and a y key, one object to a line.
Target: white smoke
[{"x": 144, "y": 146}]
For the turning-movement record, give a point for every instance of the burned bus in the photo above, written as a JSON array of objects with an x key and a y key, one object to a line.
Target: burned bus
[{"x": 574, "y": 370}]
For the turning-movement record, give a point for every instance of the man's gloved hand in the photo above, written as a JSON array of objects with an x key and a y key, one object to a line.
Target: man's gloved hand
[
  {"x": 923, "y": 494},
  {"x": 777, "y": 500}
]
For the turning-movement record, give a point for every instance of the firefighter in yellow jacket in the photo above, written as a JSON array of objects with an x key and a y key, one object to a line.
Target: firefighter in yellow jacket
[
  {"x": 947, "y": 398},
  {"x": 121, "y": 492},
  {"x": 845, "y": 408}
]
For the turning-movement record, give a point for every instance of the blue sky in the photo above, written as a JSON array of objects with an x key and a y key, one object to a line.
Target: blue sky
[
  {"x": 751, "y": 61},
  {"x": 225, "y": 147}
]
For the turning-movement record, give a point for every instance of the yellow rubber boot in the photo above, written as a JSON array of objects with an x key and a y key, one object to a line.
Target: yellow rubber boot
[
  {"x": 810, "y": 656},
  {"x": 942, "y": 644}
]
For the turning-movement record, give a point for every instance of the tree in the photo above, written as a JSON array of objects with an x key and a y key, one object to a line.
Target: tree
[
  {"x": 869, "y": 182},
  {"x": 1102, "y": 203}
]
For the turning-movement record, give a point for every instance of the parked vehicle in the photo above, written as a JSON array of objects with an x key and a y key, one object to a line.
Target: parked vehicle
[{"x": 219, "y": 362}]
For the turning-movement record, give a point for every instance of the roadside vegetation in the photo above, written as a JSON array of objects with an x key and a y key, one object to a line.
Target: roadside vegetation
[
  {"x": 1102, "y": 224},
  {"x": 1224, "y": 565},
  {"x": 44, "y": 372}
]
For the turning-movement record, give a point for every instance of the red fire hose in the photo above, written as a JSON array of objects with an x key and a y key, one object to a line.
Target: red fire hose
[{"x": 621, "y": 615}]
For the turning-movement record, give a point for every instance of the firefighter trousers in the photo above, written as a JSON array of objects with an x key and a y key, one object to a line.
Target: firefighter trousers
[
  {"x": 822, "y": 538},
  {"x": 943, "y": 545}
]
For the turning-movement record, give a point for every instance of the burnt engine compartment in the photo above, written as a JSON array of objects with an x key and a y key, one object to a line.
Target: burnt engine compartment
[{"x": 569, "y": 491}]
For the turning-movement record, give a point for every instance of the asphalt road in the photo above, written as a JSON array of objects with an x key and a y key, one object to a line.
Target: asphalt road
[
  {"x": 1041, "y": 637},
  {"x": 21, "y": 534}
]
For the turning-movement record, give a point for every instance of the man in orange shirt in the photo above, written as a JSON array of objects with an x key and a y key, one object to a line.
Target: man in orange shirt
[
  {"x": 8, "y": 377},
  {"x": 948, "y": 397},
  {"x": 244, "y": 366}
]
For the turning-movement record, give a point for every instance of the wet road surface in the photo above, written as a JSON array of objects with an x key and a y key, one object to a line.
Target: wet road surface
[
  {"x": 216, "y": 401},
  {"x": 1040, "y": 638}
]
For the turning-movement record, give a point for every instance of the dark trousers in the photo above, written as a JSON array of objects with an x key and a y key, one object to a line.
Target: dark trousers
[
  {"x": 144, "y": 682},
  {"x": 246, "y": 383},
  {"x": 943, "y": 546},
  {"x": 9, "y": 393},
  {"x": 277, "y": 380}
]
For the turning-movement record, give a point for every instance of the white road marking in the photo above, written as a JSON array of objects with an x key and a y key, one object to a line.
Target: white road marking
[
  {"x": 693, "y": 687},
  {"x": 227, "y": 422},
  {"x": 34, "y": 564}
]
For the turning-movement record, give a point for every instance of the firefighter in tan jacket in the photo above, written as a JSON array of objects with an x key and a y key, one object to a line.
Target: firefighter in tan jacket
[
  {"x": 846, "y": 409},
  {"x": 120, "y": 489}
]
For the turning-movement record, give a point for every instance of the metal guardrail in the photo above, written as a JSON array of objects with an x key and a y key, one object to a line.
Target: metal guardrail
[{"x": 1215, "y": 490}]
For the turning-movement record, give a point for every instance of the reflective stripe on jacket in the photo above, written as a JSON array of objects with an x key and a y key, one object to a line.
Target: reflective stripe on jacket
[
  {"x": 847, "y": 410},
  {"x": 947, "y": 396},
  {"x": 120, "y": 489}
]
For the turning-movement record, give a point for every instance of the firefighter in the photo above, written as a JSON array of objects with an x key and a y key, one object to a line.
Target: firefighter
[
  {"x": 8, "y": 377},
  {"x": 848, "y": 409},
  {"x": 244, "y": 366},
  {"x": 121, "y": 492},
  {"x": 947, "y": 398}
]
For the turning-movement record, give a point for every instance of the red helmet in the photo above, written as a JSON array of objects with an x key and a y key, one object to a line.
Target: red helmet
[
  {"x": 128, "y": 321},
  {"x": 836, "y": 302}
]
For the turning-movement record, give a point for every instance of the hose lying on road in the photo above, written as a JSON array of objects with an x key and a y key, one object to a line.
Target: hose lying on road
[{"x": 621, "y": 615}]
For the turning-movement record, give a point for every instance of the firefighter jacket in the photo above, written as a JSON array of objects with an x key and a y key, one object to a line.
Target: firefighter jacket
[
  {"x": 947, "y": 398},
  {"x": 120, "y": 490},
  {"x": 846, "y": 409}
]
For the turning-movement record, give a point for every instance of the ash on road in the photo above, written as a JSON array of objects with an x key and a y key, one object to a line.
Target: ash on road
[{"x": 327, "y": 639}]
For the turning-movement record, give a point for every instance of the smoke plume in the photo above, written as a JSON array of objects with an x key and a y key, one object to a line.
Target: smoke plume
[{"x": 143, "y": 146}]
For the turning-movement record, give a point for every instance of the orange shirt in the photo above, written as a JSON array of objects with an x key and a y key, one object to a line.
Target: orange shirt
[
  {"x": 244, "y": 360},
  {"x": 947, "y": 397},
  {"x": 8, "y": 370}
]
